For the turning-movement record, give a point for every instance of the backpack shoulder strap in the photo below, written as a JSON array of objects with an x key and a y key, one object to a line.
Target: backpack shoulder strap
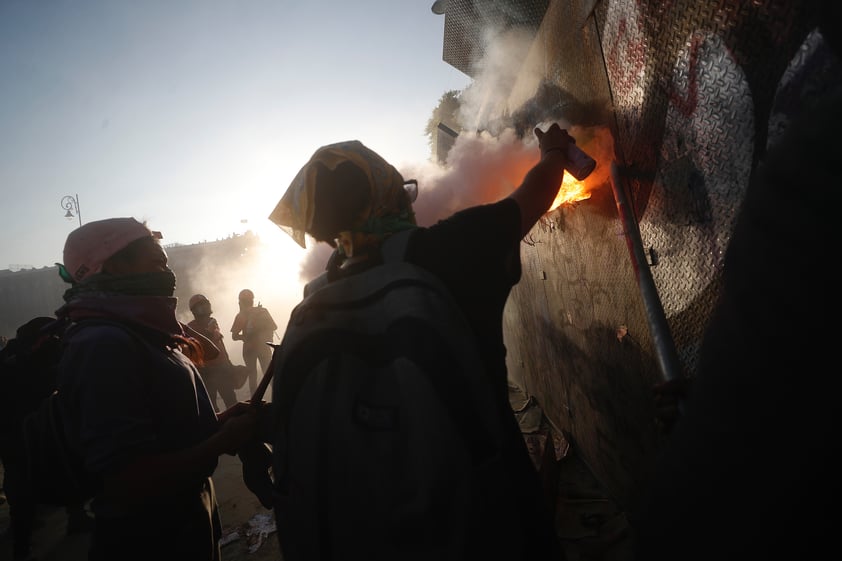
[
  {"x": 134, "y": 334},
  {"x": 394, "y": 247},
  {"x": 393, "y": 250},
  {"x": 314, "y": 285}
]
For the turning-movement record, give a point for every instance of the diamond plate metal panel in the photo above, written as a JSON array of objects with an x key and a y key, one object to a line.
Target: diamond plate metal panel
[
  {"x": 696, "y": 91},
  {"x": 705, "y": 164},
  {"x": 466, "y": 23}
]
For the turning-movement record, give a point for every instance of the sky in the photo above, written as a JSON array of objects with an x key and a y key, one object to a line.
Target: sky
[{"x": 195, "y": 115}]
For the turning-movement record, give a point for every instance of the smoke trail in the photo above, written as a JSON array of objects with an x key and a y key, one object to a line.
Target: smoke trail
[
  {"x": 496, "y": 145},
  {"x": 480, "y": 168},
  {"x": 484, "y": 103}
]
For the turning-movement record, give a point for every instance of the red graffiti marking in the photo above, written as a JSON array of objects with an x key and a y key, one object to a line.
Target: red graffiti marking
[
  {"x": 627, "y": 64},
  {"x": 687, "y": 105}
]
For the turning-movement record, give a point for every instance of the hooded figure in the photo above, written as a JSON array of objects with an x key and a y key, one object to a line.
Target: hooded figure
[{"x": 349, "y": 197}]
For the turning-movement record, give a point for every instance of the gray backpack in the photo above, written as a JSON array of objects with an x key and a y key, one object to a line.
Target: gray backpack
[{"x": 387, "y": 435}]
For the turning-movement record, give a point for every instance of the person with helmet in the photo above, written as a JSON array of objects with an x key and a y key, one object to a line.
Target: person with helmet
[
  {"x": 215, "y": 372},
  {"x": 255, "y": 327}
]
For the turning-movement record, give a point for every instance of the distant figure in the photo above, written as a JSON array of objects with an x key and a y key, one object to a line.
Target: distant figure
[
  {"x": 133, "y": 404},
  {"x": 27, "y": 376},
  {"x": 255, "y": 327},
  {"x": 215, "y": 372}
]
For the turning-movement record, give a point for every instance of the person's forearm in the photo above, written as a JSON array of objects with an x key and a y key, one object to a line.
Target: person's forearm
[
  {"x": 151, "y": 477},
  {"x": 539, "y": 188}
]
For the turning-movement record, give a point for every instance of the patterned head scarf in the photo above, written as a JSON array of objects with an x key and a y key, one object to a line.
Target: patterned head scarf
[{"x": 386, "y": 213}]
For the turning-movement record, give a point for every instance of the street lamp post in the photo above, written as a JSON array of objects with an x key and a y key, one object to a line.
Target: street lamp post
[{"x": 70, "y": 203}]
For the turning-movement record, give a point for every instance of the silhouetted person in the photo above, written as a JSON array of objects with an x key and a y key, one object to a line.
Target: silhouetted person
[
  {"x": 751, "y": 470},
  {"x": 216, "y": 372},
  {"x": 349, "y": 197},
  {"x": 255, "y": 327},
  {"x": 27, "y": 376},
  {"x": 133, "y": 403}
]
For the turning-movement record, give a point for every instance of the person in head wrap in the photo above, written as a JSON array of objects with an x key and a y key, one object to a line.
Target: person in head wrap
[
  {"x": 349, "y": 197},
  {"x": 361, "y": 199},
  {"x": 133, "y": 403}
]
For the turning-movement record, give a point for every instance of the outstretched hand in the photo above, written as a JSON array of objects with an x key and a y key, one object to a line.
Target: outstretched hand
[
  {"x": 555, "y": 138},
  {"x": 540, "y": 186},
  {"x": 668, "y": 397},
  {"x": 238, "y": 425}
]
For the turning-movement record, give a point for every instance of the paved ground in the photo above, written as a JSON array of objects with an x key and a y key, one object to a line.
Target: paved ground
[
  {"x": 589, "y": 524},
  {"x": 248, "y": 526}
]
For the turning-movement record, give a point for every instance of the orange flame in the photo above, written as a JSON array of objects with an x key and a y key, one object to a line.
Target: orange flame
[{"x": 571, "y": 190}]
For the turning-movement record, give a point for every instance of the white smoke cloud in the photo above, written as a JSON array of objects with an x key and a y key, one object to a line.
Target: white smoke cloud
[
  {"x": 480, "y": 169},
  {"x": 485, "y": 102},
  {"x": 496, "y": 145}
]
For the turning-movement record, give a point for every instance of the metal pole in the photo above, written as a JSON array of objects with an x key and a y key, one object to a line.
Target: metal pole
[
  {"x": 78, "y": 210},
  {"x": 662, "y": 338}
]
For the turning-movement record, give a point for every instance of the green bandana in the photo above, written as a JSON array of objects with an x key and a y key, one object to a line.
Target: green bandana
[{"x": 161, "y": 283}]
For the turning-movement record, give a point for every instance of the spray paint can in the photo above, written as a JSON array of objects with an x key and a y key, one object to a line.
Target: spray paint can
[{"x": 579, "y": 164}]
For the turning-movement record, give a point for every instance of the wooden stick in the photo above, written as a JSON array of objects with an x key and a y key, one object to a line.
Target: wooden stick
[{"x": 257, "y": 396}]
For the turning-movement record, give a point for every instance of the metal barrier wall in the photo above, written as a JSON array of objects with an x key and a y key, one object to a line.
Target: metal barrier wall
[{"x": 695, "y": 92}]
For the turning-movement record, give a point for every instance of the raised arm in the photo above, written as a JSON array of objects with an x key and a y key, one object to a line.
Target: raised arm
[{"x": 541, "y": 184}]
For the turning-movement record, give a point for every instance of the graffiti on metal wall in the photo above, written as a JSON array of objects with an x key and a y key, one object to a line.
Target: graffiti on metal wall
[
  {"x": 704, "y": 167},
  {"x": 691, "y": 110}
]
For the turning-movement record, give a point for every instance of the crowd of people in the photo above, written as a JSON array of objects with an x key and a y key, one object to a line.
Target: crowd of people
[
  {"x": 140, "y": 392},
  {"x": 140, "y": 266}
]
